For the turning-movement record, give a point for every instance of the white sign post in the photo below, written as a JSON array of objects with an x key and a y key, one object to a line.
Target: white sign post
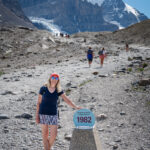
[{"x": 84, "y": 136}]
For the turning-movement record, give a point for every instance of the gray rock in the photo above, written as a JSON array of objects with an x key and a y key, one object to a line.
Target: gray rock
[
  {"x": 68, "y": 84},
  {"x": 67, "y": 137},
  {"x": 8, "y": 65},
  {"x": 101, "y": 117},
  {"x": 117, "y": 140},
  {"x": 3, "y": 116},
  {"x": 115, "y": 146},
  {"x": 77, "y": 76},
  {"x": 103, "y": 75},
  {"x": 100, "y": 130},
  {"x": 24, "y": 115},
  {"x": 5, "y": 130},
  {"x": 17, "y": 80},
  {"x": 138, "y": 58},
  {"x": 144, "y": 82},
  {"x": 122, "y": 113},
  {"x": 30, "y": 75},
  {"x": 8, "y": 92},
  {"x": 127, "y": 90},
  {"x": 130, "y": 65},
  {"x": 74, "y": 87},
  {"x": 121, "y": 125}
]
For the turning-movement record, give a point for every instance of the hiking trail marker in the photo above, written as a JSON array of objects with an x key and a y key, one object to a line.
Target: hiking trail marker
[
  {"x": 84, "y": 119},
  {"x": 84, "y": 136}
]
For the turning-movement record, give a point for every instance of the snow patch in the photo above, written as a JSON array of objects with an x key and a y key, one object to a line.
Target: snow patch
[
  {"x": 108, "y": 19},
  {"x": 49, "y": 25},
  {"x": 120, "y": 15},
  {"x": 118, "y": 24},
  {"x": 130, "y": 9},
  {"x": 99, "y": 2}
]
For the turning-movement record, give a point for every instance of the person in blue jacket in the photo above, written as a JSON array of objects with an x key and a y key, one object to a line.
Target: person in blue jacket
[
  {"x": 46, "y": 112},
  {"x": 90, "y": 56}
]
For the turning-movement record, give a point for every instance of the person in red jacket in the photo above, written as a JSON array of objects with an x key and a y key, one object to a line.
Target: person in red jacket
[{"x": 102, "y": 55}]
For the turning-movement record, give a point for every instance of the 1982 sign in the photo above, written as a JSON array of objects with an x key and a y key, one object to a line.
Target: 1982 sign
[{"x": 84, "y": 118}]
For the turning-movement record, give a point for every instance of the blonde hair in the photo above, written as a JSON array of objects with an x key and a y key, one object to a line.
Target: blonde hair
[{"x": 58, "y": 86}]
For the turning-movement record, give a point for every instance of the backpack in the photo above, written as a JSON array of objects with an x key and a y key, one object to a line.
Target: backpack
[
  {"x": 90, "y": 52},
  {"x": 100, "y": 52}
]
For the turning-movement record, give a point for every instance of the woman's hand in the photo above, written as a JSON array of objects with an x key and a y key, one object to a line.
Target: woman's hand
[
  {"x": 78, "y": 107},
  {"x": 37, "y": 118}
]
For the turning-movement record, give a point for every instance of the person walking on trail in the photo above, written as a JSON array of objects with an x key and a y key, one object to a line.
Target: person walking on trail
[
  {"x": 102, "y": 55},
  {"x": 90, "y": 56},
  {"x": 127, "y": 47},
  {"x": 46, "y": 112}
]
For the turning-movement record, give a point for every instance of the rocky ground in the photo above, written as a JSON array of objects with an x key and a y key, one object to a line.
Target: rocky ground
[{"x": 118, "y": 94}]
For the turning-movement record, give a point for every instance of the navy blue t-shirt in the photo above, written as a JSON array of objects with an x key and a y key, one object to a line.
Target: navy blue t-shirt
[
  {"x": 48, "y": 105},
  {"x": 89, "y": 54}
]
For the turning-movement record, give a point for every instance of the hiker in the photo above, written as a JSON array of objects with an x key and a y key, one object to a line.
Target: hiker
[
  {"x": 61, "y": 34},
  {"x": 46, "y": 113},
  {"x": 102, "y": 55},
  {"x": 90, "y": 56},
  {"x": 127, "y": 47}
]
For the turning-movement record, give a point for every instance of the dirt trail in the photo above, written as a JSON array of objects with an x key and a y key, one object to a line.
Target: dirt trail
[{"x": 103, "y": 93}]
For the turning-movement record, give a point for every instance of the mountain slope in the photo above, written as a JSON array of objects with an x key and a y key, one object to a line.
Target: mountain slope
[
  {"x": 11, "y": 14},
  {"x": 84, "y": 15},
  {"x": 120, "y": 12},
  {"x": 138, "y": 33},
  {"x": 72, "y": 16}
]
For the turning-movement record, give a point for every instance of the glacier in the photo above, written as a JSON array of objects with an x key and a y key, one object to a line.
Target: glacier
[{"x": 48, "y": 24}]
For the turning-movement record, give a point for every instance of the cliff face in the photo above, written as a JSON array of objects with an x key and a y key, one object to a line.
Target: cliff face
[
  {"x": 84, "y": 15},
  {"x": 71, "y": 15},
  {"x": 11, "y": 14}
]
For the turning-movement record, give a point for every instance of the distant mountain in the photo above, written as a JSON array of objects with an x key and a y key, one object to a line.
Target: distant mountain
[
  {"x": 119, "y": 13},
  {"x": 82, "y": 15},
  {"x": 11, "y": 14}
]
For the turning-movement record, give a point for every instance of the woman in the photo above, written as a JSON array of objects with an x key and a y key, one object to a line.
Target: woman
[
  {"x": 102, "y": 55},
  {"x": 46, "y": 113},
  {"x": 90, "y": 56}
]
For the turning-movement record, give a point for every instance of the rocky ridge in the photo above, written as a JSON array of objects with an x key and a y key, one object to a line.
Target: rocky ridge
[{"x": 11, "y": 14}]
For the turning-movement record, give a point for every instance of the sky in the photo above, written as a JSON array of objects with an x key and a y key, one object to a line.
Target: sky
[{"x": 142, "y": 5}]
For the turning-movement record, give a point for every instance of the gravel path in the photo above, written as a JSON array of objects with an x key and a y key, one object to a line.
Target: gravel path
[{"x": 106, "y": 91}]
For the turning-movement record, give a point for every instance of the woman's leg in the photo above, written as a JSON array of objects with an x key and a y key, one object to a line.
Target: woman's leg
[
  {"x": 45, "y": 133},
  {"x": 89, "y": 61},
  {"x": 53, "y": 134},
  {"x": 102, "y": 60}
]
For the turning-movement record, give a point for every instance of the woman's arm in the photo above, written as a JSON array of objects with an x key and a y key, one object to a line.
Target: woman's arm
[
  {"x": 69, "y": 102},
  {"x": 37, "y": 108}
]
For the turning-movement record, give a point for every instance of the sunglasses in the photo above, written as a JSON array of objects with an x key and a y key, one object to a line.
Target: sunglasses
[{"x": 54, "y": 78}]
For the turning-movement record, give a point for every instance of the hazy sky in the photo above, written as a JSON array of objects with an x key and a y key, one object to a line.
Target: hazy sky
[{"x": 142, "y": 5}]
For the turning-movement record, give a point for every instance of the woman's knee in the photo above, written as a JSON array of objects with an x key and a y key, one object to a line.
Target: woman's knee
[
  {"x": 53, "y": 131},
  {"x": 45, "y": 131}
]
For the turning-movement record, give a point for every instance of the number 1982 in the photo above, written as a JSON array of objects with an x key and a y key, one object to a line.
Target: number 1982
[{"x": 84, "y": 119}]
